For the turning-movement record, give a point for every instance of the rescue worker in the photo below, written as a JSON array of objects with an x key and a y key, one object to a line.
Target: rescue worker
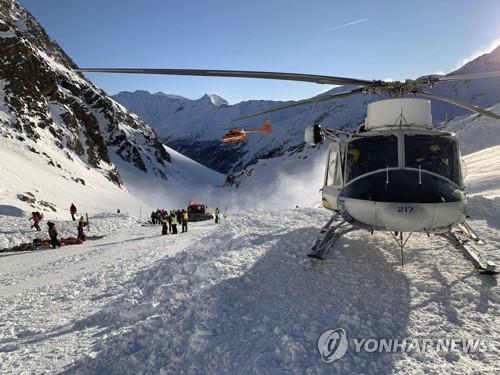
[
  {"x": 169, "y": 219},
  {"x": 435, "y": 162},
  {"x": 173, "y": 222},
  {"x": 164, "y": 225},
  {"x": 185, "y": 218},
  {"x": 81, "y": 223},
  {"x": 354, "y": 162},
  {"x": 53, "y": 235},
  {"x": 72, "y": 211},
  {"x": 36, "y": 217},
  {"x": 217, "y": 213}
]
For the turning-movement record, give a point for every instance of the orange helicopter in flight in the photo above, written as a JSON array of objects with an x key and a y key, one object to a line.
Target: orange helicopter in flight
[{"x": 239, "y": 135}]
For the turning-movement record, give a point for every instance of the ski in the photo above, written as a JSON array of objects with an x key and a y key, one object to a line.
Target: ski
[
  {"x": 95, "y": 237},
  {"x": 460, "y": 241}
]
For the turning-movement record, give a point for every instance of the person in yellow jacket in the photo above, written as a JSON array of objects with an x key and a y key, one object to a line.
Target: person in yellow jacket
[
  {"x": 173, "y": 221},
  {"x": 184, "y": 220}
]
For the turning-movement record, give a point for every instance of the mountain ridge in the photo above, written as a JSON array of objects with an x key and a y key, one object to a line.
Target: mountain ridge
[{"x": 194, "y": 127}]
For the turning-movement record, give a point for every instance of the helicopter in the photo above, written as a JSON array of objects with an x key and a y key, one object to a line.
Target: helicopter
[
  {"x": 239, "y": 135},
  {"x": 395, "y": 173}
]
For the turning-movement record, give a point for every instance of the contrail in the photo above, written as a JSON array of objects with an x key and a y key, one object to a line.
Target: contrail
[{"x": 344, "y": 25}]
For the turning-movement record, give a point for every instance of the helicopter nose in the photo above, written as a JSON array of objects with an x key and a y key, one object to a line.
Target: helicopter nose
[
  {"x": 408, "y": 203},
  {"x": 405, "y": 217}
]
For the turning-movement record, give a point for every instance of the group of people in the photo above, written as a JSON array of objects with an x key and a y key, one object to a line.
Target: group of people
[
  {"x": 36, "y": 217},
  {"x": 167, "y": 220},
  {"x": 170, "y": 220}
]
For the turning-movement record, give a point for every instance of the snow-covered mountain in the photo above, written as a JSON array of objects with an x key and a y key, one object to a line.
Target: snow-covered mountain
[
  {"x": 194, "y": 126},
  {"x": 482, "y": 92},
  {"x": 57, "y": 128}
]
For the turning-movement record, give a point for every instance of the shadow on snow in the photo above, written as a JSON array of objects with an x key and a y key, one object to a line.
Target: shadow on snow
[{"x": 267, "y": 320}]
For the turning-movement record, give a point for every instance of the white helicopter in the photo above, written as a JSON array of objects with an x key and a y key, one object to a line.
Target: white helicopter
[{"x": 395, "y": 173}]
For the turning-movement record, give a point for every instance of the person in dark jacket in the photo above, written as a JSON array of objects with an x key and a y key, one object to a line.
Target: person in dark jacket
[
  {"x": 72, "y": 211},
  {"x": 36, "y": 217},
  {"x": 164, "y": 224},
  {"x": 53, "y": 235},
  {"x": 169, "y": 219},
  {"x": 217, "y": 216},
  {"x": 81, "y": 223}
]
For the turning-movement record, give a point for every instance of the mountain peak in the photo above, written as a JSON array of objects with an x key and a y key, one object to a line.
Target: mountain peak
[
  {"x": 487, "y": 62},
  {"x": 217, "y": 100}
]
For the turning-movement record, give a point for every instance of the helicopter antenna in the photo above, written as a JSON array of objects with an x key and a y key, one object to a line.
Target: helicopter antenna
[{"x": 401, "y": 120}]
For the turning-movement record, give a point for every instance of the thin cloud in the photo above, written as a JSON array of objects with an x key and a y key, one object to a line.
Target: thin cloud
[{"x": 343, "y": 25}]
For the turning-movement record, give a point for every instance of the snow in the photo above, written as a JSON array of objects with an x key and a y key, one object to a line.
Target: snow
[
  {"x": 217, "y": 100},
  {"x": 192, "y": 173},
  {"x": 476, "y": 132},
  {"x": 484, "y": 172},
  {"x": 28, "y": 173},
  {"x": 240, "y": 297}
]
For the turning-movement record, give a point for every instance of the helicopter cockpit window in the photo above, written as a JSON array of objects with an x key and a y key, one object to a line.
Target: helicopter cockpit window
[
  {"x": 370, "y": 154},
  {"x": 434, "y": 154}
]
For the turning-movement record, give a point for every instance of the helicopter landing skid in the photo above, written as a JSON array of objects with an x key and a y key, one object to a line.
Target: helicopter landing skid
[
  {"x": 463, "y": 238},
  {"x": 328, "y": 236}
]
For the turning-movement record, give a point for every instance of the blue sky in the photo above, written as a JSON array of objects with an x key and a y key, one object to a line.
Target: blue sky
[{"x": 362, "y": 39}]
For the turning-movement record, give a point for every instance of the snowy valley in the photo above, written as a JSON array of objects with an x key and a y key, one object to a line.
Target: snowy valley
[{"x": 239, "y": 297}]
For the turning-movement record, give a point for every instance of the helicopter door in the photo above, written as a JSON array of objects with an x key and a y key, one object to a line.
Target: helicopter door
[{"x": 333, "y": 177}]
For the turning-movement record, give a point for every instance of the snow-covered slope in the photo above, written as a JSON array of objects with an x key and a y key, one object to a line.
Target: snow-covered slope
[
  {"x": 31, "y": 183},
  {"x": 242, "y": 298},
  {"x": 479, "y": 138},
  {"x": 63, "y": 140},
  {"x": 482, "y": 92},
  {"x": 28, "y": 184}
]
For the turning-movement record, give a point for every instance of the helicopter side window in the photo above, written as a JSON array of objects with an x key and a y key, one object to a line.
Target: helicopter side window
[
  {"x": 334, "y": 176},
  {"x": 332, "y": 162},
  {"x": 432, "y": 153},
  {"x": 370, "y": 154}
]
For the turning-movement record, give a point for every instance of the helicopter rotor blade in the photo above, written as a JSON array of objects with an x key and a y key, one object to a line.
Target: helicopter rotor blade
[
  {"x": 331, "y": 80},
  {"x": 462, "y": 77},
  {"x": 316, "y": 99},
  {"x": 460, "y": 103}
]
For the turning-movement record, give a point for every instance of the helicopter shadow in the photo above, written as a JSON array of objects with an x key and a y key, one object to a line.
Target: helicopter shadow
[{"x": 268, "y": 318}]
